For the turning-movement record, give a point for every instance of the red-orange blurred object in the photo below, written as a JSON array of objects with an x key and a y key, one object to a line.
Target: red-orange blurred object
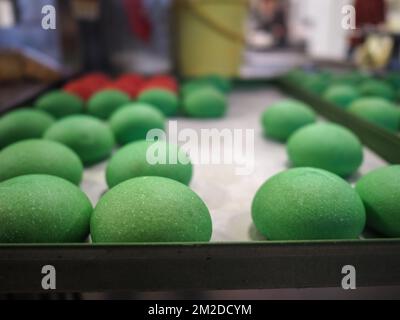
[{"x": 87, "y": 85}]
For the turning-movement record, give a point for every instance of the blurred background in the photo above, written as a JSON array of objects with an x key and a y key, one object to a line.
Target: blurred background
[{"x": 255, "y": 38}]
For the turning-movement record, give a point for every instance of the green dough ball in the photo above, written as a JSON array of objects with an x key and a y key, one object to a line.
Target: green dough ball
[
  {"x": 104, "y": 103},
  {"x": 40, "y": 157},
  {"x": 326, "y": 146},
  {"x": 307, "y": 204},
  {"x": 132, "y": 161},
  {"x": 59, "y": 103},
  {"x": 193, "y": 86},
  {"x": 164, "y": 100},
  {"x": 205, "y": 103},
  {"x": 285, "y": 117},
  {"x": 377, "y": 88},
  {"x": 43, "y": 209},
  {"x": 23, "y": 124},
  {"x": 380, "y": 192},
  {"x": 349, "y": 78},
  {"x": 89, "y": 137},
  {"x": 341, "y": 95},
  {"x": 220, "y": 83},
  {"x": 376, "y": 110},
  {"x": 133, "y": 121},
  {"x": 314, "y": 83},
  {"x": 393, "y": 79},
  {"x": 151, "y": 209}
]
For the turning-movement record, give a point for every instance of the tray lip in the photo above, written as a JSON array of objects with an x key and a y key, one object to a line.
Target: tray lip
[{"x": 262, "y": 243}]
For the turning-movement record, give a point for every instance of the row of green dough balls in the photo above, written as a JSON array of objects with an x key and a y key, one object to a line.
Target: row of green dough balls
[
  {"x": 49, "y": 209},
  {"x": 321, "y": 145},
  {"x": 104, "y": 103},
  {"x": 298, "y": 204},
  {"x": 89, "y": 136},
  {"x": 141, "y": 158},
  {"x": 314, "y": 204},
  {"x": 361, "y": 95},
  {"x": 350, "y": 84},
  {"x": 203, "y": 98},
  {"x": 130, "y": 121}
]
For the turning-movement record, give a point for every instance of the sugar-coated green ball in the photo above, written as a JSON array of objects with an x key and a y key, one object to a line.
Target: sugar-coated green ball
[
  {"x": 105, "y": 102},
  {"x": 193, "y": 86},
  {"x": 283, "y": 118},
  {"x": 151, "y": 209},
  {"x": 38, "y": 156},
  {"x": 376, "y": 110},
  {"x": 393, "y": 79},
  {"x": 353, "y": 78},
  {"x": 220, "y": 83},
  {"x": 89, "y": 137},
  {"x": 164, "y": 100},
  {"x": 380, "y": 192},
  {"x": 43, "y": 209},
  {"x": 23, "y": 124},
  {"x": 133, "y": 121},
  {"x": 307, "y": 204},
  {"x": 341, "y": 95},
  {"x": 314, "y": 83},
  {"x": 326, "y": 146},
  {"x": 377, "y": 88},
  {"x": 59, "y": 103},
  {"x": 205, "y": 103},
  {"x": 145, "y": 158}
]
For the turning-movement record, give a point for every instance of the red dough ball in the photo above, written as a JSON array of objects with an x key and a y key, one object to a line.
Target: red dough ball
[
  {"x": 161, "y": 82},
  {"x": 87, "y": 85}
]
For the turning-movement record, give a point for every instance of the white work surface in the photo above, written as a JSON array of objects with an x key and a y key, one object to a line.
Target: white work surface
[{"x": 228, "y": 195}]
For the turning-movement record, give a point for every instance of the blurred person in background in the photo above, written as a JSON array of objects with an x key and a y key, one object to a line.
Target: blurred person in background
[{"x": 369, "y": 14}]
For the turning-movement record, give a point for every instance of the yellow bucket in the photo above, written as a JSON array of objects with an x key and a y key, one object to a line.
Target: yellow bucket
[{"x": 209, "y": 36}]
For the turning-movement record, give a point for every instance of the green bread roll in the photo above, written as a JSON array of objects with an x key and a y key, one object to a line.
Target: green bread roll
[
  {"x": 192, "y": 86},
  {"x": 376, "y": 110},
  {"x": 283, "y": 118},
  {"x": 23, "y": 124},
  {"x": 341, "y": 95},
  {"x": 150, "y": 209},
  {"x": 59, "y": 103},
  {"x": 205, "y": 103},
  {"x": 220, "y": 83},
  {"x": 136, "y": 159},
  {"x": 307, "y": 204},
  {"x": 326, "y": 146},
  {"x": 294, "y": 76},
  {"x": 104, "y": 103},
  {"x": 377, "y": 88},
  {"x": 314, "y": 83},
  {"x": 133, "y": 121},
  {"x": 349, "y": 78},
  {"x": 43, "y": 209},
  {"x": 380, "y": 192},
  {"x": 393, "y": 79},
  {"x": 164, "y": 100},
  {"x": 89, "y": 137},
  {"x": 40, "y": 157}
]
